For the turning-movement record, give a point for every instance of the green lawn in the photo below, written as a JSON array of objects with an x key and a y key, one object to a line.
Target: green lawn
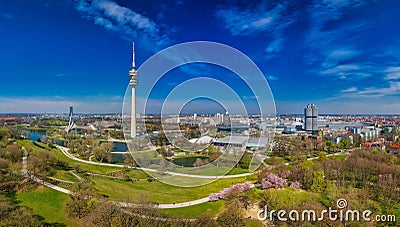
[
  {"x": 340, "y": 156},
  {"x": 274, "y": 161},
  {"x": 64, "y": 175},
  {"x": 48, "y": 203},
  {"x": 210, "y": 208},
  {"x": 237, "y": 170},
  {"x": 158, "y": 191}
]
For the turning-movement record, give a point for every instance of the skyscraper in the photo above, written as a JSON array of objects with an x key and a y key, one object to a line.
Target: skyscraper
[
  {"x": 311, "y": 118},
  {"x": 133, "y": 83}
]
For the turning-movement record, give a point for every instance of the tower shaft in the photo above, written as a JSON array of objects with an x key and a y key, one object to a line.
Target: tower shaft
[{"x": 133, "y": 114}]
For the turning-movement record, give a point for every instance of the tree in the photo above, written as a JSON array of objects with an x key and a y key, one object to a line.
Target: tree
[
  {"x": 198, "y": 162},
  {"x": 146, "y": 210},
  {"x": 204, "y": 220},
  {"x": 103, "y": 151},
  {"x": 5, "y": 134},
  {"x": 330, "y": 145},
  {"x": 232, "y": 215},
  {"x": 130, "y": 160},
  {"x": 344, "y": 143},
  {"x": 318, "y": 182},
  {"x": 104, "y": 214},
  {"x": 272, "y": 180},
  {"x": 41, "y": 163},
  {"x": 13, "y": 153},
  {"x": 82, "y": 200}
]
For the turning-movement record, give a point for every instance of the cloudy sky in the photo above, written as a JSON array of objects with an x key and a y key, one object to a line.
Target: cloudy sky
[{"x": 342, "y": 55}]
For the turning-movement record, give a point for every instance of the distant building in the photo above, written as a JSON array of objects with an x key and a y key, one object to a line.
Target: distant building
[
  {"x": 226, "y": 119},
  {"x": 395, "y": 149},
  {"x": 369, "y": 134},
  {"x": 241, "y": 141},
  {"x": 311, "y": 118},
  {"x": 372, "y": 145},
  {"x": 289, "y": 130},
  {"x": 219, "y": 118},
  {"x": 233, "y": 128},
  {"x": 355, "y": 130}
]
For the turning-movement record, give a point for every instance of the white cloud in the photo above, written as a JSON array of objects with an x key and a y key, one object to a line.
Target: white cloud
[
  {"x": 340, "y": 69},
  {"x": 351, "y": 89},
  {"x": 114, "y": 17},
  {"x": 393, "y": 88},
  {"x": 270, "y": 77},
  {"x": 393, "y": 73},
  {"x": 346, "y": 71},
  {"x": 269, "y": 18},
  {"x": 240, "y": 21},
  {"x": 275, "y": 46},
  {"x": 60, "y": 75}
]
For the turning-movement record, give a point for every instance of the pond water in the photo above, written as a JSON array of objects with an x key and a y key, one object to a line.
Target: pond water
[
  {"x": 37, "y": 135},
  {"x": 33, "y": 135},
  {"x": 117, "y": 158},
  {"x": 118, "y": 146}
]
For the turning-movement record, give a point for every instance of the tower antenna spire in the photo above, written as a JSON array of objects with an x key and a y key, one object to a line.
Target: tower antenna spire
[{"x": 133, "y": 55}]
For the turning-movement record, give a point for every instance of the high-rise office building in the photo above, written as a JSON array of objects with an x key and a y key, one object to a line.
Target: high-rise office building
[{"x": 311, "y": 118}]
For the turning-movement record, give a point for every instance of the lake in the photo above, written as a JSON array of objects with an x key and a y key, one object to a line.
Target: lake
[{"x": 33, "y": 135}]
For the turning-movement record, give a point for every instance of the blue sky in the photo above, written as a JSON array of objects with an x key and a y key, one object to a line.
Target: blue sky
[{"x": 342, "y": 55}]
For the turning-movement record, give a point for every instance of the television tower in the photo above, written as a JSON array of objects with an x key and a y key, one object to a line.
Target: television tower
[{"x": 133, "y": 83}]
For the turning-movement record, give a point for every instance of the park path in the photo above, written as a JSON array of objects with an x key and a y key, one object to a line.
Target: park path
[{"x": 32, "y": 177}]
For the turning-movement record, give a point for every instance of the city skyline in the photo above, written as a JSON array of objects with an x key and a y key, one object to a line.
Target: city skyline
[{"x": 340, "y": 55}]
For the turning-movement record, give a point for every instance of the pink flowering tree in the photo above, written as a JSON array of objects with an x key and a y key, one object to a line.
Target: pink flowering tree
[
  {"x": 285, "y": 174},
  {"x": 295, "y": 185},
  {"x": 226, "y": 192},
  {"x": 272, "y": 180}
]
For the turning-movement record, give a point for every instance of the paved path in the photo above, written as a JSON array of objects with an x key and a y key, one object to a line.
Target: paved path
[{"x": 63, "y": 181}]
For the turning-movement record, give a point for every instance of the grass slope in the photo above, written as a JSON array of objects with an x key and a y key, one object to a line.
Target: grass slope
[{"x": 48, "y": 203}]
